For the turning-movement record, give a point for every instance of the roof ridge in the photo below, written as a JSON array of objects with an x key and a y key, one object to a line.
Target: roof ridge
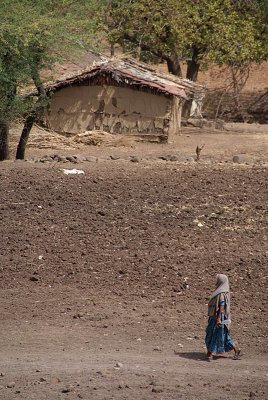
[{"x": 136, "y": 73}]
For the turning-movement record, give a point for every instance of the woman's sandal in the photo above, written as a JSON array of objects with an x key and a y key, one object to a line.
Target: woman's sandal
[
  {"x": 209, "y": 357},
  {"x": 237, "y": 355}
]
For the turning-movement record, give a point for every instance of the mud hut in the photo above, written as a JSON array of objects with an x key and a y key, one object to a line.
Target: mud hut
[{"x": 120, "y": 96}]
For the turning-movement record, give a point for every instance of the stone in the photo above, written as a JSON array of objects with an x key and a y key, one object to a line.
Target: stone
[
  {"x": 59, "y": 158},
  {"x": 91, "y": 159},
  {"x": 10, "y": 385},
  {"x": 183, "y": 121},
  {"x": 79, "y": 158},
  {"x": 157, "y": 390},
  {"x": 259, "y": 207},
  {"x": 167, "y": 157},
  {"x": 236, "y": 159},
  {"x": 67, "y": 389},
  {"x": 114, "y": 157},
  {"x": 196, "y": 122},
  {"x": 135, "y": 159},
  {"x": 190, "y": 159},
  {"x": 173, "y": 158},
  {"x": 219, "y": 124},
  {"x": 208, "y": 123},
  {"x": 118, "y": 365},
  {"x": 78, "y": 315},
  {"x": 46, "y": 159},
  {"x": 213, "y": 216},
  {"x": 101, "y": 213},
  {"x": 34, "y": 279},
  {"x": 72, "y": 159},
  {"x": 164, "y": 158}
]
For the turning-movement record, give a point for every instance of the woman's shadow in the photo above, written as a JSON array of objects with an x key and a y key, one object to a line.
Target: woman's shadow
[
  {"x": 192, "y": 355},
  {"x": 197, "y": 356}
]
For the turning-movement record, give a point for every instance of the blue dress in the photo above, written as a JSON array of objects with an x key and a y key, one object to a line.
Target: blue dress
[{"x": 218, "y": 339}]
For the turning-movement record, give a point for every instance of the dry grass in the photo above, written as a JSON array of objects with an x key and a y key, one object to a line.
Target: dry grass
[
  {"x": 49, "y": 140},
  {"x": 97, "y": 138},
  {"x": 42, "y": 138}
]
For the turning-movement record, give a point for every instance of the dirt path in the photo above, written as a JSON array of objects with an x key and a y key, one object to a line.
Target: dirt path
[
  {"x": 106, "y": 354},
  {"x": 65, "y": 358},
  {"x": 120, "y": 372}
]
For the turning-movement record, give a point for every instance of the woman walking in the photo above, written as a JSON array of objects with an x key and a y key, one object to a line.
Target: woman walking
[{"x": 218, "y": 339}]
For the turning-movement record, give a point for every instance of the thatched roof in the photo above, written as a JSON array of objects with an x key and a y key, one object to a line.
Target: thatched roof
[{"x": 129, "y": 72}]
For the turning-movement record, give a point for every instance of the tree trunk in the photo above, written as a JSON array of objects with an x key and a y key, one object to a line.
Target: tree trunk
[
  {"x": 4, "y": 133},
  {"x": 191, "y": 74},
  {"x": 193, "y": 66},
  {"x": 173, "y": 62},
  {"x": 173, "y": 65},
  {"x": 20, "y": 154},
  {"x": 192, "y": 70},
  {"x": 112, "y": 49}
]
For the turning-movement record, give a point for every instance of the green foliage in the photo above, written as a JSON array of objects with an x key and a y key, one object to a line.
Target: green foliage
[
  {"x": 221, "y": 31},
  {"x": 23, "y": 45},
  {"x": 13, "y": 72},
  {"x": 36, "y": 33}
]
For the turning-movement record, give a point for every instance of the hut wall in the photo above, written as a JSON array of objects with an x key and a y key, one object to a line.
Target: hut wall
[
  {"x": 121, "y": 110},
  {"x": 175, "y": 118}
]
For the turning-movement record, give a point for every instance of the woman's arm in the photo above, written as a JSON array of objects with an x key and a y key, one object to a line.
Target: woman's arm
[{"x": 220, "y": 311}]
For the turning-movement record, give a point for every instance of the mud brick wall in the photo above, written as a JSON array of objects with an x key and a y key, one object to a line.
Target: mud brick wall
[{"x": 112, "y": 109}]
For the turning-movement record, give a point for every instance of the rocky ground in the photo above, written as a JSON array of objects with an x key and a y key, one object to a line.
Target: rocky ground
[{"x": 105, "y": 275}]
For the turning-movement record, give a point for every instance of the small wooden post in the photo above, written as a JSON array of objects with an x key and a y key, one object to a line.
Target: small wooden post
[{"x": 198, "y": 152}]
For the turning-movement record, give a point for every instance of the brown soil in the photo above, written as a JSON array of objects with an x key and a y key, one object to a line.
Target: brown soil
[{"x": 105, "y": 276}]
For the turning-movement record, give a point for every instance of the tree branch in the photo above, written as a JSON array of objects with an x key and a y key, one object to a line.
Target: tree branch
[{"x": 146, "y": 47}]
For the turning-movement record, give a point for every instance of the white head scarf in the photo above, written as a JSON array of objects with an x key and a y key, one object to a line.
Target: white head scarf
[{"x": 222, "y": 285}]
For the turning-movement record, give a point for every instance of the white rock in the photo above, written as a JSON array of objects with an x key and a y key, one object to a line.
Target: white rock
[
  {"x": 73, "y": 171},
  {"x": 118, "y": 365}
]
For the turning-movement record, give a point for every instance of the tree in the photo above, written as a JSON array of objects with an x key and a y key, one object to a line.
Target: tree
[
  {"x": 13, "y": 73},
  {"x": 33, "y": 35},
  {"x": 23, "y": 45},
  {"x": 198, "y": 32},
  {"x": 35, "y": 55}
]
